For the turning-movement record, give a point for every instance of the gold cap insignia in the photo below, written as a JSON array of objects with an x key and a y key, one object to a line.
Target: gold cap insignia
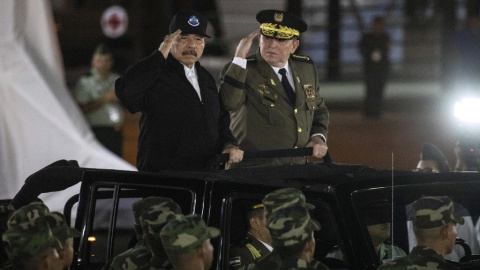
[{"x": 278, "y": 17}]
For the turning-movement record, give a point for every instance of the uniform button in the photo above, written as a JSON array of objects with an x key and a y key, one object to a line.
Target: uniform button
[
  {"x": 295, "y": 147},
  {"x": 295, "y": 111},
  {"x": 272, "y": 105},
  {"x": 299, "y": 129}
]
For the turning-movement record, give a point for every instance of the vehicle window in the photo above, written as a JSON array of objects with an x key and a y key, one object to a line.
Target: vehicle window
[
  {"x": 382, "y": 206},
  {"x": 112, "y": 231},
  {"x": 236, "y": 228}
]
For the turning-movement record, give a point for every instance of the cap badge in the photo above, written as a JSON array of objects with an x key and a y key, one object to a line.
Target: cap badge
[
  {"x": 193, "y": 21},
  {"x": 278, "y": 17}
]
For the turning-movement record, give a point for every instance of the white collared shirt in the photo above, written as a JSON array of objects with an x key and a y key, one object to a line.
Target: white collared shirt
[
  {"x": 243, "y": 64},
  {"x": 192, "y": 77}
]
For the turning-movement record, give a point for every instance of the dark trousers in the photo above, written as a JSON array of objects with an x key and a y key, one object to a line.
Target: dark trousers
[
  {"x": 111, "y": 138},
  {"x": 375, "y": 84}
]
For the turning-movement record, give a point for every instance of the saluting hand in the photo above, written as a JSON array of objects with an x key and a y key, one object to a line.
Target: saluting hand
[
  {"x": 245, "y": 44},
  {"x": 167, "y": 43}
]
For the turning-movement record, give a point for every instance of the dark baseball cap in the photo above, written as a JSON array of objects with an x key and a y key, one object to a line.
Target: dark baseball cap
[{"x": 190, "y": 22}]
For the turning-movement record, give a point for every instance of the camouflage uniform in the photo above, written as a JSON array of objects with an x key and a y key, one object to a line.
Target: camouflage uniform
[
  {"x": 427, "y": 213},
  {"x": 140, "y": 255},
  {"x": 24, "y": 242},
  {"x": 186, "y": 233}
]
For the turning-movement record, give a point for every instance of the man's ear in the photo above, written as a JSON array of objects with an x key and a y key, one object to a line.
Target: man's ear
[
  {"x": 202, "y": 251},
  {"x": 309, "y": 246},
  {"x": 446, "y": 232},
  {"x": 295, "y": 45}
]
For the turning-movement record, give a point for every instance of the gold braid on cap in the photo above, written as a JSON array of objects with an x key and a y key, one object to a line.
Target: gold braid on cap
[{"x": 282, "y": 32}]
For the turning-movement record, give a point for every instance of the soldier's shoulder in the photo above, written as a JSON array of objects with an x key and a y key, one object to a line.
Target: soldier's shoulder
[{"x": 301, "y": 58}]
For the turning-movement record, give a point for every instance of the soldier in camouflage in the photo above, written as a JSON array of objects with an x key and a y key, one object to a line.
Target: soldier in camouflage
[
  {"x": 434, "y": 224},
  {"x": 292, "y": 231},
  {"x": 138, "y": 256},
  {"x": 6, "y": 210},
  {"x": 152, "y": 224},
  {"x": 64, "y": 234},
  {"x": 186, "y": 241},
  {"x": 31, "y": 245}
]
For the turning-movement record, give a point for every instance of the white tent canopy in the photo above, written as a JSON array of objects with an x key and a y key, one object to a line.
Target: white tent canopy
[{"x": 39, "y": 121}]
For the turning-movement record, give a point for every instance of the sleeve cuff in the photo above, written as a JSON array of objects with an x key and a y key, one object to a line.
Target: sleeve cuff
[
  {"x": 321, "y": 135},
  {"x": 240, "y": 62}
]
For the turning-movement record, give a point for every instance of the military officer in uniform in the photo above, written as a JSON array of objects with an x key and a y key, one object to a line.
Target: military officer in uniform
[
  {"x": 273, "y": 95},
  {"x": 257, "y": 242}
]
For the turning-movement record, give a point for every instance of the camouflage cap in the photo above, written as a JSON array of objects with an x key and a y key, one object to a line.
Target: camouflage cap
[
  {"x": 184, "y": 234},
  {"x": 432, "y": 212},
  {"x": 59, "y": 227},
  {"x": 154, "y": 220},
  {"x": 285, "y": 197},
  {"x": 28, "y": 212},
  {"x": 28, "y": 239},
  {"x": 290, "y": 226},
  {"x": 141, "y": 206}
]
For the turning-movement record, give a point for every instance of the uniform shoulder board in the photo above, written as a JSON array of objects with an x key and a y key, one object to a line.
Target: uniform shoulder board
[{"x": 301, "y": 58}]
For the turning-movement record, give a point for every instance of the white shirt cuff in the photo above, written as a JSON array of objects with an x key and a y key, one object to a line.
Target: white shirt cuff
[
  {"x": 242, "y": 62},
  {"x": 321, "y": 135}
]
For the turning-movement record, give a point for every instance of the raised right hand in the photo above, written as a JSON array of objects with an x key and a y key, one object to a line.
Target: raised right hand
[
  {"x": 166, "y": 45},
  {"x": 245, "y": 44}
]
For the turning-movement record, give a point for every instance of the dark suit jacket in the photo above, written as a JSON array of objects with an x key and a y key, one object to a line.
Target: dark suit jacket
[{"x": 177, "y": 130}]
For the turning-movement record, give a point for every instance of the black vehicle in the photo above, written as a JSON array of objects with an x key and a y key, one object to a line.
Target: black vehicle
[{"x": 338, "y": 191}]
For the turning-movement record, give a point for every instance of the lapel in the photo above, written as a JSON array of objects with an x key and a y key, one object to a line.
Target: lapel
[
  {"x": 299, "y": 91},
  {"x": 270, "y": 79}
]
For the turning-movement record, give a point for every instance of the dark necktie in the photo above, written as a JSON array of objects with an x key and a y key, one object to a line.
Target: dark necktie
[{"x": 287, "y": 87}]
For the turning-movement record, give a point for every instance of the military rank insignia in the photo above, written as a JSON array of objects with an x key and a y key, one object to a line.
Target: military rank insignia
[
  {"x": 309, "y": 91},
  {"x": 273, "y": 82}
]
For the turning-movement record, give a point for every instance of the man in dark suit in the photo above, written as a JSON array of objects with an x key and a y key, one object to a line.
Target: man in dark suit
[
  {"x": 182, "y": 124},
  {"x": 273, "y": 96}
]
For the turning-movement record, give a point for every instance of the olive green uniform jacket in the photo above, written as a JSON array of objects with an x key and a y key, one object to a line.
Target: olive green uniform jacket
[{"x": 262, "y": 117}]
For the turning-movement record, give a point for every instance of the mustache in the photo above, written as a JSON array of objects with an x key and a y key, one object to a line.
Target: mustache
[{"x": 190, "y": 52}]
